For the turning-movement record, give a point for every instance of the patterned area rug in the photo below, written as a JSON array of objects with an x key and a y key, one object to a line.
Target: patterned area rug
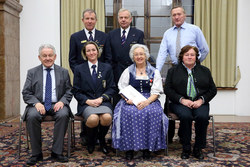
[{"x": 232, "y": 149}]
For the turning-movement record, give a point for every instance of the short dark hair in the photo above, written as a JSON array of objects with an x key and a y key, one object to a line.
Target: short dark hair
[{"x": 185, "y": 49}]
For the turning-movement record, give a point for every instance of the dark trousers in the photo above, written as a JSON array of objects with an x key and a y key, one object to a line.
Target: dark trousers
[{"x": 186, "y": 116}]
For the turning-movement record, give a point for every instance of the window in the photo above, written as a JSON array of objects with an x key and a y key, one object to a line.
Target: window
[{"x": 151, "y": 16}]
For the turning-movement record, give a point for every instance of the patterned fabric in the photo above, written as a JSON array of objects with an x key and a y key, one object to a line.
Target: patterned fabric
[
  {"x": 48, "y": 91},
  {"x": 191, "y": 92},
  {"x": 91, "y": 36},
  {"x": 123, "y": 37},
  {"x": 135, "y": 129}
]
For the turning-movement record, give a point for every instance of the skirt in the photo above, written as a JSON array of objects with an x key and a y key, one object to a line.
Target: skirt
[{"x": 135, "y": 129}]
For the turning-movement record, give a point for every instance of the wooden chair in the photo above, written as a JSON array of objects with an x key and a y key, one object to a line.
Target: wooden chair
[
  {"x": 174, "y": 117},
  {"x": 76, "y": 118},
  {"x": 46, "y": 119}
]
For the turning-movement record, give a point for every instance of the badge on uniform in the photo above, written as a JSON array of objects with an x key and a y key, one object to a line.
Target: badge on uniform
[{"x": 104, "y": 83}]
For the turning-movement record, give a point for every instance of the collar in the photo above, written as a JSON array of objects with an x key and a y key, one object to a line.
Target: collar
[
  {"x": 90, "y": 65},
  {"x": 52, "y": 67},
  {"x": 189, "y": 70},
  {"x": 127, "y": 30},
  {"x": 87, "y": 31},
  {"x": 183, "y": 26}
]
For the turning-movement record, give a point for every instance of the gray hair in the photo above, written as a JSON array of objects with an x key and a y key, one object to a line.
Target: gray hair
[
  {"x": 135, "y": 46},
  {"x": 123, "y": 10},
  {"x": 89, "y": 11},
  {"x": 46, "y": 46}
]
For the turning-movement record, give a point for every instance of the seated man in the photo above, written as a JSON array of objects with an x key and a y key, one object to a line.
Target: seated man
[{"x": 47, "y": 91}]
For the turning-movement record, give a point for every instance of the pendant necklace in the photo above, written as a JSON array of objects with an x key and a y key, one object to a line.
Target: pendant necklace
[{"x": 141, "y": 72}]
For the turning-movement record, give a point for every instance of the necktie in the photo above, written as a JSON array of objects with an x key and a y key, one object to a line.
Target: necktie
[
  {"x": 94, "y": 74},
  {"x": 178, "y": 42},
  {"x": 90, "y": 36},
  {"x": 48, "y": 91},
  {"x": 191, "y": 92},
  {"x": 123, "y": 39}
]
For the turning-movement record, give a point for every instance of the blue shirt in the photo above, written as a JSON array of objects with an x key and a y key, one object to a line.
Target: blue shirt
[{"x": 190, "y": 35}]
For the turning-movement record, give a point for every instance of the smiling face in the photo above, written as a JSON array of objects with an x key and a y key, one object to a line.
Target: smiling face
[
  {"x": 124, "y": 19},
  {"x": 139, "y": 56},
  {"x": 189, "y": 58},
  {"x": 47, "y": 57},
  {"x": 89, "y": 20},
  {"x": 178, "y": 16},
  {"x": 91, "y": 53}
]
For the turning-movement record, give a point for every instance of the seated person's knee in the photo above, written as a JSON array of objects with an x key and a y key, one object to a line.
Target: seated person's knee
[
  {"x": 92, "y": 121},
  {"x": 105, "y": 119}
]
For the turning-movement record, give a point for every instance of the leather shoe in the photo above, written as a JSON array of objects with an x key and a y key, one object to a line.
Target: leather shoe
[
  {"x": 59, "y": 157},
  {"x": 83, "y": 140},
  {"x": 197, "y": 153},
  {"x": 129, "y": 155},
  {"x": 146, "y": 154},
  {"x": 90, "y": 148},
  {"x": 104, "y": 149},
  {"x": 185, "y": 154},
  {"x": 34, "y": 159}
]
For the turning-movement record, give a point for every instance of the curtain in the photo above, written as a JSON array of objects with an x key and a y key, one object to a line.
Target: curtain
[
  {"x": 218, "y": 21},
  {"x": 71, "y": 21}
]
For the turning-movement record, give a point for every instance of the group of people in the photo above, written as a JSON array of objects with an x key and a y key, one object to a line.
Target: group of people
[{"x": 103, "y": 66}]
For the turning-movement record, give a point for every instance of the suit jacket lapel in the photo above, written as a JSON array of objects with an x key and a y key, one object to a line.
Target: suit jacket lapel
[
  {"x": 57, "y": 79},
  {"x": 87, "y": 74},
  {"x": 40, "y": 80}
]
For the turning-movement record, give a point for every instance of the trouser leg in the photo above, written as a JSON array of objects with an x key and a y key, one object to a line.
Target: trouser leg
[
  {"x": 34, "y": 119},
  {"x": 201, "y": 117},
  {"x": 185, "y": 115},
  {"x": 60, "y": 128}
]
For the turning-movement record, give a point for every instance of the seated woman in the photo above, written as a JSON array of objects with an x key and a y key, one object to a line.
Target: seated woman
[
  {"x": 93, "y": 88},
  {"x": 190, "y": 87},
  {"x": 142, "y": 127}
]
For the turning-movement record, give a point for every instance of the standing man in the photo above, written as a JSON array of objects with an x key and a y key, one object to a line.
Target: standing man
[
  {"x": 89, "y": 33},
  {"x": 47, "y": 91},
  {"x": 181, "y": 34},
  {"x": 120, "y": 41}
]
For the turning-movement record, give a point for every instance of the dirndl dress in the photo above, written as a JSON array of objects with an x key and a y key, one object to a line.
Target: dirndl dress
[{"x": 135, "y": 129}]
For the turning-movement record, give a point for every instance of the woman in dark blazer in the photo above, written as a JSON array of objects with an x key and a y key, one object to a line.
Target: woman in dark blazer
[
  {"x": 93, "y": 88},
  {"x": 190, "y": 87}
]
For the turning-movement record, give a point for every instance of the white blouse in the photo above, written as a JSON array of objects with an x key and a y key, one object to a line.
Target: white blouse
[{"x": 157, "y": 83}]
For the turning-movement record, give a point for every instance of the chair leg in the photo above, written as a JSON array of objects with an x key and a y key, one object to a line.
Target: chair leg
[
  {"x": 69, "y": 137},
  {"x": 213, "y": 129},
  {"x": 19, "y": 138},
  {"x": 73, "y": 133}
]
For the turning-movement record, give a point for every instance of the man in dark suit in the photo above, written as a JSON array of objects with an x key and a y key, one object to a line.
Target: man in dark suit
[
  {"x": 89, "y": 33},
  {"x": 47, "y": 91},
  {"x": 120, "y": 41}
]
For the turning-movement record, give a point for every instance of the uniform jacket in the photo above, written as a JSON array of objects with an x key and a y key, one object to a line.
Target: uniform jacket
[
  {"x": 84, "y": 88},
  {"x": 120, "y": 53},
  {"x": 77, "y": 41}
]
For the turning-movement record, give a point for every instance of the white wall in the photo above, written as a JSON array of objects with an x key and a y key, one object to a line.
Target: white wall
[{"x": 40, "y": 23}]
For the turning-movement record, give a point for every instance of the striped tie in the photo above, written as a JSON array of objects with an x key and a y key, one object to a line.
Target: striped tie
[{"x": 123, "y": 37}]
